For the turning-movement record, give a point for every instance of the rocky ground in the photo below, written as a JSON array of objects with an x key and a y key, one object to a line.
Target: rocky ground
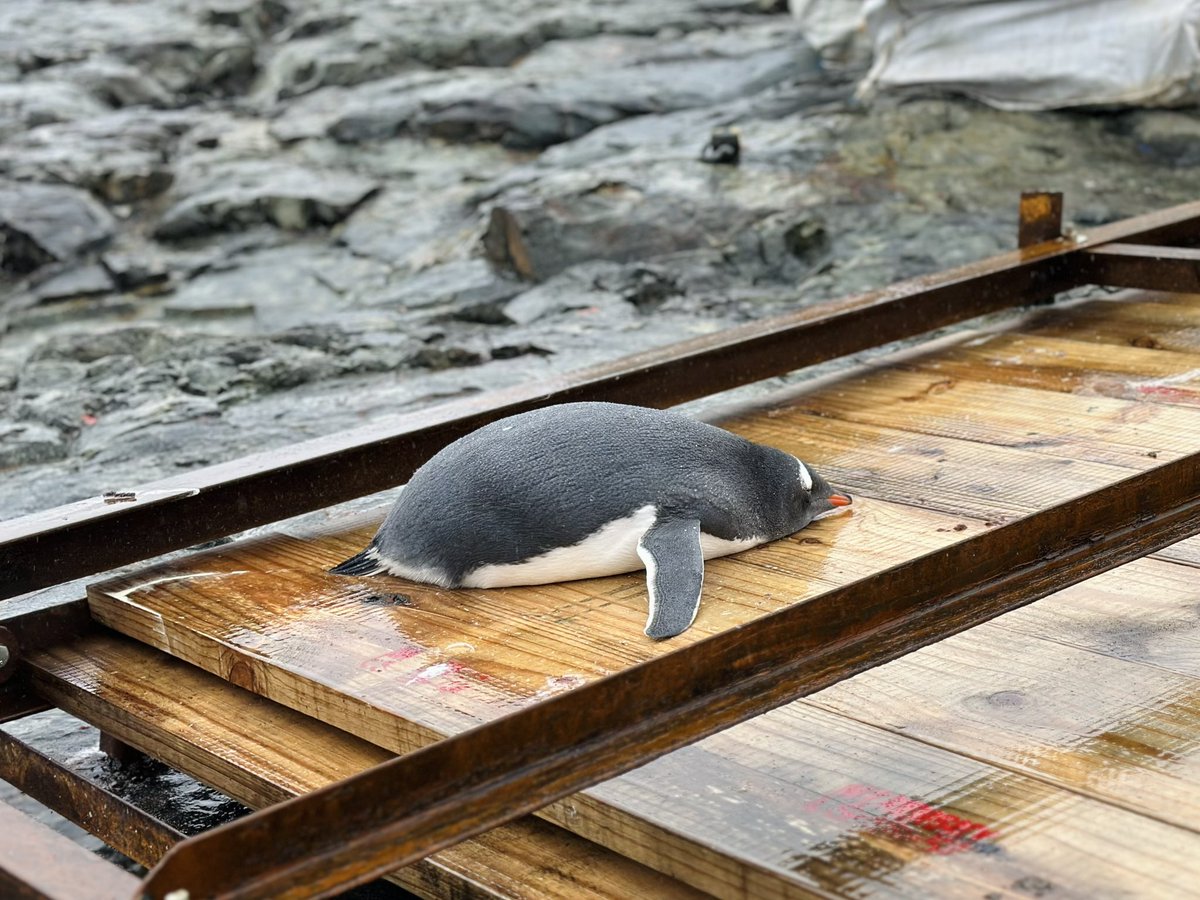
[{"x": 229, "y": 225}]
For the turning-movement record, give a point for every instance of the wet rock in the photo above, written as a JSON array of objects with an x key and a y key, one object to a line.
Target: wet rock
[
  {"x": 120, "y": 157},
  {"x": 84, "y": 281},
  {"x": 512, "y": 351},
  {"x": 61, "y": 410},
  {"x": 260, "y": 18},
  {"x": 28, "y": 443},
  {"x": 441, "y": 357},
  {"x": 132, "y": 271},
  {"x": 452, "y": 288},
  {"x": 592, "y": 287},
  {"x": 348, "y": 45},
  {"x": 48, "y": 223},
  {"x": 784, "y": 246},
  {"x": 645, "y": 287},
  {"x": 413, "y": 230},
  {"x": 562, "y": 91},
  {"x": 112, "y": 82},
  {"x": 42, "y": 374},
  {"x": 141, "y": 343},
  {"x": 572, "y": 220},
  {"x": 164, "y": 40},
  {"x": 26, "y": 105},
  {"x": 151, "y": 428},
  {"x": 288, "y": 286},
  {"x": 1166, "y": 135},
  {"x": 259, "y": 192}
]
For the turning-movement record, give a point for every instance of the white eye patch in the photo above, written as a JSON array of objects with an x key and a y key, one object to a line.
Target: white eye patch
[{"x": 805, "y": 476}]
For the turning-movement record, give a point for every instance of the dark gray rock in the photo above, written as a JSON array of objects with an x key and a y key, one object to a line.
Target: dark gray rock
[
  {"x": 137, "y": 271},
  {"x": 141, "y": 343},
  {"x": 413, "y": 230},
  {"x": 348, "y": 44},
  {"x": 48, "y": 374},
  {"x": 593, "y": 287},
  {"x": 286, "y": 286},
  {"x": 83, "y": 281},
  {"x": 579, "y": 218},
  {"x": 239, "y": 196},
  {"x": 29, "y": 443},
  {"x": 1170, "y": 136},
  {"x": 451, "y": 288},
  {"x": 48, "y": 223},
  {"x": 560, "y": 92},
  {"x": 111, "y": 81},
  {"x": 121, "y": 157},
  {"x": 165, "y": 40},
  {"x": 26, "y": 105}
]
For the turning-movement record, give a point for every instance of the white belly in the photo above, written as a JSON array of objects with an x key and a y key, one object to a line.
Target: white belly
[{"x": 609, "y": 551}]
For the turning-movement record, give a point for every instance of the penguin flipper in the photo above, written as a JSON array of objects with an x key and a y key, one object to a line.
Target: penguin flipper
[{"x": 670, "y": 548}]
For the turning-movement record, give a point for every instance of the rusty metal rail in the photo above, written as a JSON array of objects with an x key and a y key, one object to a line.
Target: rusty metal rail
[
  {"x": 408, "y": 808},
  {"x": 133, "y": 832}
]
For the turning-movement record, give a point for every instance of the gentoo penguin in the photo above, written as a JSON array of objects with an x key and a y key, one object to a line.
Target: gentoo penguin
[{"x": 582, "y": 490}]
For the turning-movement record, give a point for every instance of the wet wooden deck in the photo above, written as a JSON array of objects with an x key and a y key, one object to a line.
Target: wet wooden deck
[{"x": 1050, "y": 753}]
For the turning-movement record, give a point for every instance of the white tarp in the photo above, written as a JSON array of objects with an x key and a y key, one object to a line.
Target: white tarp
[{"x": 1032, "y": 54}]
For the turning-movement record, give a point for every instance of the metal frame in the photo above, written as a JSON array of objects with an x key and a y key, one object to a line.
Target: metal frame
[{"x": 408, "y": 808}]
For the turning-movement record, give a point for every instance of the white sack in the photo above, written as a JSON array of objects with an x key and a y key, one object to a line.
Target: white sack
[{"x": 1039, "y": 54}]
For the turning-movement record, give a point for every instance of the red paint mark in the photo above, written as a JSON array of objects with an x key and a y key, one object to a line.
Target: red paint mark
[
  {"x": 447, "y": 676},
  {"x": 390, "y": 659},
  {"x": 89, "y": 419},
  {"x": 902, "y": 819},
  {"x": 1179, "y": 395}
]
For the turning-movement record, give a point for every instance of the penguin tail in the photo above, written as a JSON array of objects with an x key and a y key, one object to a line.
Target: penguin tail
[{"x": 365, "y": 563}]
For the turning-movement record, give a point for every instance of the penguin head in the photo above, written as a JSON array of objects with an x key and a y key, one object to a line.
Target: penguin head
[{"x": 815, "y": 498}]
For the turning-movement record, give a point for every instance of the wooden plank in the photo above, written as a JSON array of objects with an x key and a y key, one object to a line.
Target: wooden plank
[
  {"x": 1143, "y": 612},
  {"x": 1157, "y": 325},
  {"x": 1084, "y": 692},
  {"x": 825, "y": 805},
  {"x": 1072, "y": 367},
  {"x": 1134, "y": 435},
  {"x": 955, "y": 476},
  {"x": 260, "y": 753}
]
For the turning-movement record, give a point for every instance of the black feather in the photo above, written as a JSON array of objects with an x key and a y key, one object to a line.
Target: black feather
[{"x": 365, "y": 563}]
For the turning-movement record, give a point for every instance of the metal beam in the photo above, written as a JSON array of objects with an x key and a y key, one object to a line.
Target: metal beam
[
  {"x": 37, "y": 863},
  {"x": 1144, "y": 266},
  {"x": 118, "y": 823},
  {"x": 102, "y": 533},
  {"x": 405, "y": 809}
]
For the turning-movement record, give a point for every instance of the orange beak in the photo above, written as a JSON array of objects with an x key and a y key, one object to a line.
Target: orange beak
[{"x": 840, "y": 500}]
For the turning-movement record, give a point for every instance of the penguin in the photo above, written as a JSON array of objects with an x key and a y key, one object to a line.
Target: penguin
[{"x": 581, "y": 490}]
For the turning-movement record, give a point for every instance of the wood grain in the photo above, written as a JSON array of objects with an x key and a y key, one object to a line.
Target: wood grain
[
  {"x": 1034, "y": 731},
  {"x": 826, "y": 805},
  {"x": 1073, "y": 366},
  {"x": 1125, "y": 433},
  {"x": 260, "y": 753},
  {"x": 1101, "y": 697},
  {"x": 1153, "y": 325}
]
